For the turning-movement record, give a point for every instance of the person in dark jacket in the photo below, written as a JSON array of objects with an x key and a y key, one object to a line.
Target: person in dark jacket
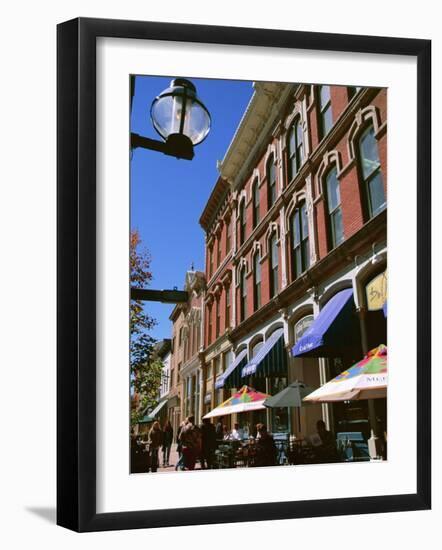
[
  {"x": 155, "y": 442},
  {"x": 190, "y": 439},
  {"x": 167, "y": 442},
  {"x": 208, "y": 444},
  {"x": 265, "y": 447}
]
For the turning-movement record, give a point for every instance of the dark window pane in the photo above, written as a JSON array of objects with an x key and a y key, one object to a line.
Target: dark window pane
[
  {"x": 337, "y": 229},
  {"x": 306, "y": 254},
  {"x": 298, "y": 261},
  {"x": 333, "y": 196},
  {"x": 327, "y": 120},
  {"x": 368, "y": 148},
  {"x": 296, "y": 229},
  {"x": 377, "y": 195},
  {"x": 324, "y": 95},
  {"x": 274, "y": 252},
  {"x": 257, "y": 268},
  {"x": 299, "y": 139},
  {"x": 293, "y": 166},
  {"x": 274, "y": 281},
  {"x": 292, "y": 141},
  {"x": 257, "y": 296},
  {"x": 304, "y": 221}
]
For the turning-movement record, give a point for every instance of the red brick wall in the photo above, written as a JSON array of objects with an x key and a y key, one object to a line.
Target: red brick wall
[
  {"x": 339, "y": 100},
  {"x": 351, "y": 200},
  {"x": 321, "y": 228},
  {"x": 351, "y": 205}
]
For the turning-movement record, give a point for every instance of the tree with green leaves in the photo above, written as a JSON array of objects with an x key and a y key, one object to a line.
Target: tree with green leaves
[{"x": 145, "y": 367}]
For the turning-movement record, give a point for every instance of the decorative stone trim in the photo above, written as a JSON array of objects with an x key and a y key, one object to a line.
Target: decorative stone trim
[
  {"x": 272, "y": 228},
  {"x": 217, "y": 289},
  {"x": 330, "y": 158},
  {"x": 271, "y": 150},
  {"x": 256, "y": 247},
  {"x": 363, "y": 118},
  {"x": 297, "y": 198},
  {"x": 297, "y": 111}
]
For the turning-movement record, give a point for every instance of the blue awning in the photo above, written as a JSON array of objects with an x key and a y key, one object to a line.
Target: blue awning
[
  {"x": 335, "y": 329},
  {"x": 271, "y": 358},
  {"x": 230, "y": 377}
]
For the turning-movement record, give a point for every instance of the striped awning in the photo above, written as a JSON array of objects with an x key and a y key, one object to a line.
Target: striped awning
[
  {"x": 271, "y": 358},
  {"x": 231, "y": 377}
]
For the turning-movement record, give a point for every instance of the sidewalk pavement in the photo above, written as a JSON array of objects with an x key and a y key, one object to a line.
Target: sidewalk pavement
[{"x": 173, "y": 460}]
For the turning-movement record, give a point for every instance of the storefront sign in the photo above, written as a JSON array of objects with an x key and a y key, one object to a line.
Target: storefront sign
[{"x": 376, "y": 292}]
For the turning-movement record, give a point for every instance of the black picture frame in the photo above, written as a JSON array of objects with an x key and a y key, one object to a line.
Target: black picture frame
[{"x": 76, "y": 273}]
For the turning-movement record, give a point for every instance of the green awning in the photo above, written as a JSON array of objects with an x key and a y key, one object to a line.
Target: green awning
[
  {"x": 271, "y": 359},
  {"x": 153, "y": 415}
]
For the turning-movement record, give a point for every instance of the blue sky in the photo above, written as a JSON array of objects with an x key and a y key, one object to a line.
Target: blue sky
[{"x": 168, "y": 195}]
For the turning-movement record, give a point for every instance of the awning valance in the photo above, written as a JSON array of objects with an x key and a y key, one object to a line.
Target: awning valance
[
  {"x": 334, "y": 329},
  {"x": 271, "y": 358},
  {"x": 231, "y": 377}
]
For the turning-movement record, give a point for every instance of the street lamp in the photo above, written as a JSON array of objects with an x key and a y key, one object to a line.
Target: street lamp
[
  {"x": 182, "y": 120},
  {"x": 179, "y": 117}
]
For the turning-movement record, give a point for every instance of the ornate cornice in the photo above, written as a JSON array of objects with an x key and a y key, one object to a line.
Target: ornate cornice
[{"x": 257, "y": 123}]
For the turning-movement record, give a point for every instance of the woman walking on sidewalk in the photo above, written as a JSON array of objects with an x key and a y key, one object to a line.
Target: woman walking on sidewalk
[
  {"x": 155, "y": 442},
  {"x": 167, "y": 442}
]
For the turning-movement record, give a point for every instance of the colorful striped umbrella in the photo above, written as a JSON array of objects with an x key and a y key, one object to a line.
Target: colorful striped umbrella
[
  {"x": 366, "y": 380},
  {"x": 245, "y": 400}
]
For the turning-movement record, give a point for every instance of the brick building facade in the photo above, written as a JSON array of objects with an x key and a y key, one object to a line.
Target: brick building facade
[
  {"x": 297, "y": 215},
  {"x": 295, "y": 222},
  {"x": 184, "y": 397}
]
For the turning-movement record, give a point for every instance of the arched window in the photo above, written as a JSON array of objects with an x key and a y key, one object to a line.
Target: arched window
[
  {"x": 301, "y": 326},
  {"x": 336, "y": 231},
  {"x": 242, "y": 222},
  {"x": 271, "y": 182},
  {"x": 256, "y": 347},
  {"x": 295, "y": 149},
  {"x": 371, "y": 172},
  {"x": 300, "y": 242},
  {"x": 256, "y": 281},
  {"x": 325, "y": 112},
  {"x": 274, "y": 263},
  {"x": 242, "y": 294},
  {"x": 255, "y": 197}
]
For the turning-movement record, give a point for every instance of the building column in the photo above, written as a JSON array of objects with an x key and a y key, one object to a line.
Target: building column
[{"x": 311, "y": 222}]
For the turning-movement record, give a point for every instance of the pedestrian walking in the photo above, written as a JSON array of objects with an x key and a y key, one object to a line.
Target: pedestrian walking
[
  {"x": 208, "y": 444},
  {"x": 167, "y": 442},
  {"x": 155, "y": 441},
  {"x": 180, "y": 464},
  {"x": 190, "y": 438}
]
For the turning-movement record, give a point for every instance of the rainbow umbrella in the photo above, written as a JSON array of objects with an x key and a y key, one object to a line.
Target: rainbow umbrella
[
  {"x": 366, "y": 380},
  {"x": 245, "y": 400}
]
